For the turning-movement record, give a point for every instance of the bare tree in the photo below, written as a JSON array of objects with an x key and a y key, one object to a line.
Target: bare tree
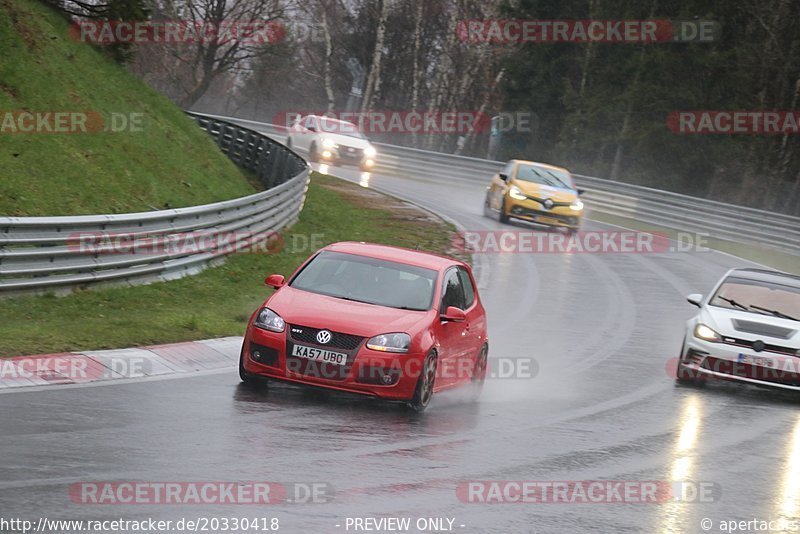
[
  {"x": 374, "y": 78},
  {"x": 196, "y": 63}
]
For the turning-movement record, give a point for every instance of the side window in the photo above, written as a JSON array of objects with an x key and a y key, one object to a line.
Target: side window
[
  {"x": 453, "y": 292},
  {"x": 466, "y": 284},
  {"x": 508, "y": 169}
]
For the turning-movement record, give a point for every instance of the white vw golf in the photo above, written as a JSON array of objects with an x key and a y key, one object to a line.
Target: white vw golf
[{"x": 748, "y": 329}]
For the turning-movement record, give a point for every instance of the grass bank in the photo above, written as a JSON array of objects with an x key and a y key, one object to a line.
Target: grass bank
[
  {"x": 218, "y": 301},
  {"x": 163, "y": 161}
]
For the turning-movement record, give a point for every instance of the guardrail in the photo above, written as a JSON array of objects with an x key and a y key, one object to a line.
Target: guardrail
[
  {"x": 729, "y": 222},
  {"x": 47, "y": 253}
]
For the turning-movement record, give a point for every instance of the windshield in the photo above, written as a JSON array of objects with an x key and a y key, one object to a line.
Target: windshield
[
  {"x": 544, "y": 175},
  {"x": 370, "y": 280},
  {"x": 758, "y": 297},
  {"x": 340, "y": 127}
]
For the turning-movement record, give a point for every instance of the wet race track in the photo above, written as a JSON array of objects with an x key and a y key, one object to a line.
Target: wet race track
[{"x": 601, "y": 406}]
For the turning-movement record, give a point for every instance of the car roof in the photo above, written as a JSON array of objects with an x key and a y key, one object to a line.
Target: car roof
[
  {"x": 537, "y": 164},
  {"x": 408, "y": 256},
  {"x": 767, "y": 275}
]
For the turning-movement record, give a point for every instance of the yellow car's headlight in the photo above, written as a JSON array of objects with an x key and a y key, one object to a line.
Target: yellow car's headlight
[
  {"x": 516, "y": 193},
  {"x": 577, "y": 205}
]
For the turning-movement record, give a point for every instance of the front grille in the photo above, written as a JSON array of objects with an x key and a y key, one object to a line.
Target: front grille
[
  {"x": 755, "y": 372},
  {"x": 527, "y": 212},
  {"x": 306, "y": 334},
  {"x": 556, "y": 204},
  {"x": 767, "y": 348},
  {"x": 347, "y": 152}
]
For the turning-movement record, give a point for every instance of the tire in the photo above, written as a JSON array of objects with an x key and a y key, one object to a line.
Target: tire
[
  {"x": 313, "y": 156},
  {"x": 479, "y": 374},
  {"x": 503, "y": 217},
  {"x": 423, "y": 393},
  {"x": 683, "y": 375},
  {"x": 249, "y": 379}
]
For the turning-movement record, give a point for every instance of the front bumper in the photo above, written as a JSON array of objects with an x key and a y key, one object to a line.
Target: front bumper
[
  {"x": 703, "y": 360},
  {"x": 530, "y": 210},
  {"x": 347, "y": 156},
  {"x": 367, "y": 372}
]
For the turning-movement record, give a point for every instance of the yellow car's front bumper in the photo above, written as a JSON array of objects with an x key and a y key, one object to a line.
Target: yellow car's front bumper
[{"x": 530, "y": 210}]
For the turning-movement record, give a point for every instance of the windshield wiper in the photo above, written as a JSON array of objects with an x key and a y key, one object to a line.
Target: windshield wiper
[
  {"x": 734, "y": 303},
  {"x": 559, "y": 180},
  {"x": 351, "y": 299},
  {"x": 776, "y": 313}
]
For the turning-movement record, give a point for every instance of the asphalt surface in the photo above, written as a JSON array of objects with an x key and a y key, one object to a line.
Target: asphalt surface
[{"x": 601, "y": 329}]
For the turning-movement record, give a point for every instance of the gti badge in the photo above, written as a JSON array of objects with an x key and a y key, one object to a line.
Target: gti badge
[{"x": 323, "y": 337}]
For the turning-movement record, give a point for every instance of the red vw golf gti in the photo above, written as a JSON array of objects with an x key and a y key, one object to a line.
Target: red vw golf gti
[{"x": 382, "y": 321}]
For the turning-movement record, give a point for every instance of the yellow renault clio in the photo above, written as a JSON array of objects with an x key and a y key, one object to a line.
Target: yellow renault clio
[{"x": 535, "y": 192}]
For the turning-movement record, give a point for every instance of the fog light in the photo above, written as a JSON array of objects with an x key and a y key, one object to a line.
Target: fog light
[
  {"x": 387, "y": 379},
  {"x": 369, "y": 163},
  {"x": 326, "y": 154},
  {"x": 257, "y": 355}
]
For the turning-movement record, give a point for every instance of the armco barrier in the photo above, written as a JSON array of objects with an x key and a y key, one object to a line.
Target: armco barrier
[
  {"x": 45, "y": 253},
  {"x": 729, "y": 222}
]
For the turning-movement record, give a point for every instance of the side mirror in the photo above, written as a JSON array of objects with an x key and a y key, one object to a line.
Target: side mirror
[
  {"x": 454, "y": 314},
  {"x": 695, "y": 298},
  {"x": 311, "y": 128},
  {"x": 581, "y": 191},
  {"x": 275, "y": 280},
  {"x": 503, "y": 176}
]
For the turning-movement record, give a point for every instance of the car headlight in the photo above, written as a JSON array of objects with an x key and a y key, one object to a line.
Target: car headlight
[
  {"x": 328, "y": 143},
  {"x": 370, "y": 152},
  {"x": 515, "y": 192},
  {"x": 577, "y": 205},
  {"x": 269, "y": 320},
  {"x": 397, "y": 342},
  {"x": 702, "y": 331}
]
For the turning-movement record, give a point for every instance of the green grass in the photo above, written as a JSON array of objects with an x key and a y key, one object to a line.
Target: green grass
[
  {"x": 768, "y": 256},
  {"x": 169, "y": 163},
  {"x": 218, "y": 301}
]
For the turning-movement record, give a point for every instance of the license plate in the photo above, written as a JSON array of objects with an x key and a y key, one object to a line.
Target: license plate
[
  {"x": 757, "y": 360},
  {"x": 319, "y": 355}
]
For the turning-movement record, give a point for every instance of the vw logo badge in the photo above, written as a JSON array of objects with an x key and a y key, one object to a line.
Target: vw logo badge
[
  {"x": 548, "y": 203},
  {"x": 323, "y": 337}
]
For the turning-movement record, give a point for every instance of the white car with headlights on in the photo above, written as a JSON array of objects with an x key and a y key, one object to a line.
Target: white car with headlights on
[
  {"x": 748, "y": 329},
  {"x": 328, "y": 140}
]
